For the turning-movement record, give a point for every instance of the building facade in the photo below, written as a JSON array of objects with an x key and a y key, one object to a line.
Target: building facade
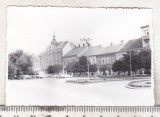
[
  {"x": 97, "y": 55},
  {"x": 108, "y": 55},
  {"x": 66, "y": 52},
  {"x": 54, "y": 53},
  {"x": 74, "y": 54}
]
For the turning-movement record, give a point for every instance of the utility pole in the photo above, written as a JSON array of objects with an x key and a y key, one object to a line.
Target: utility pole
[
  {"x": 130, "y": 62},
  {"x": 87, "y": 42},
  {"x": 62, "y": 66}
]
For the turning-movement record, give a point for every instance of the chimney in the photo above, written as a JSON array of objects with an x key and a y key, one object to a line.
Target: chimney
[
  {"x": 111, "y": 44},
  {"x": 122, "y": 42}
]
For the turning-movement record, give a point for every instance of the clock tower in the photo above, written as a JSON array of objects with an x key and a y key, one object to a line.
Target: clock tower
[{"x": 145, "y": 36}]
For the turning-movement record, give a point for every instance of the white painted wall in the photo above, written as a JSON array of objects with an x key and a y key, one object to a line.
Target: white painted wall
[
  {"x": 92, "y": 59},
  {"x": 66, "y": 49}
]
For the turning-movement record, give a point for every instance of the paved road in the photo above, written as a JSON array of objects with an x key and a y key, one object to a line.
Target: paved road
[{"x": 58, "y": 92}]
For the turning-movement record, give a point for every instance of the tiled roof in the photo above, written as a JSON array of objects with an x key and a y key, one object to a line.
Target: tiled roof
[
  {"x": 61, "y": 44},
  {"x": 72, "y": 44},
  {"x": 58, "y": 45},
  {"x": 76, "y": 51},
  {"x": 93, "y": 51},
  {"x": 98, "y": 50},
  {"x": 132, "y": 44},
  {"x": 109, "y": 49}
]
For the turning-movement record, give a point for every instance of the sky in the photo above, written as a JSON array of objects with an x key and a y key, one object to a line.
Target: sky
[{"x": 32, "y": 28}]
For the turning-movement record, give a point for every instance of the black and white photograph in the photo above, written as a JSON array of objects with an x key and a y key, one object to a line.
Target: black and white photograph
[{"x": 79, "y": 56}]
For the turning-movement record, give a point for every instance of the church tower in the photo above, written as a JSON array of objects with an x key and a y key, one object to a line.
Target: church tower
[
  {"x": 54, "y": 40},
  {"x": 145, "y": 36}
]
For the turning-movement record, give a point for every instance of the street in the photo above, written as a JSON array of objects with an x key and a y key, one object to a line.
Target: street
[{"x": 52, "y": 91}]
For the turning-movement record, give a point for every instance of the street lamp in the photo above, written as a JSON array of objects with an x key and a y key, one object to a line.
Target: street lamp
[
  {"x": 87, "y": 42},
  {"x": 130, "y": 61}
]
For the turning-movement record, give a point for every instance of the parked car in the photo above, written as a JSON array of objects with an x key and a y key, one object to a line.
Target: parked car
[
  {"x": 50, "y": 76},
  {"x": 43, "y": 76},
  {"x": 35, "y": 76},
  {"x": 27, "y": 76},
  {"x": 56, "y": 76},
  {"x": 65, "y": 76}
]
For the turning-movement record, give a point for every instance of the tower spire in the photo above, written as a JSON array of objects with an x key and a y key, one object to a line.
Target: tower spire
[{"x": 54, "y": 37}]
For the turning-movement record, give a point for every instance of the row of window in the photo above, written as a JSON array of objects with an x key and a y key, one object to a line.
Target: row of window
[
  {"x": 49, "y": 61},
  {"x": 93, "y": 61},
  {"x": 110, "y": 61}
]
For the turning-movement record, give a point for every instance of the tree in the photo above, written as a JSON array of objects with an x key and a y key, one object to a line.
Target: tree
[
  {"x": 83, "y": 60},
  {"x": 118, "y": 66},
  {"x": 133, "y": 56},
  {"x": 19, "y": 63},
  {"x": 145, "y": 60},
  {"x": 54, "y": 69},
  {"x": 103, "y": 69},
  {"x": 82, "y": 65},
  {"x": 141, "y": 60},
  {"x": 93, "y": 68},
  {"x": 70, "y": 67},
  {"x": 58, "y": 68},
  {"x": 50, "y": 69}
]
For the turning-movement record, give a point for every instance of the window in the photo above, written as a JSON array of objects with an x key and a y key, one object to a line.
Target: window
[{"x": 93, "y": 61}]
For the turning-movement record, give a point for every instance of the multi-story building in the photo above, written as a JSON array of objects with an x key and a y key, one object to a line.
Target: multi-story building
[
  {"x": 53, "y": 53},
  {"x": 92, "y": 53},
  {"x": 145, "y": 36},
  {"x": 95, "y": 54},
  {"x": 66, "y": 52},
  {"x": 85, "y": 50},
  {"x": 113, "y": 53},
  {"x": 138, "y": 44},
  {"x": 108, "y": 56},
  {"x": 74, "y": 54}
]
